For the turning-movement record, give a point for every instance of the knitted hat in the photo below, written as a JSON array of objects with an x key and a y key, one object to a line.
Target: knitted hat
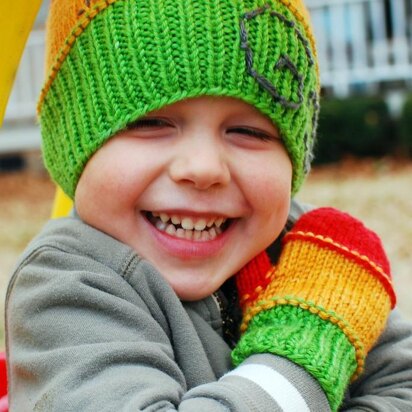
[{"x": 110, "y": 62}]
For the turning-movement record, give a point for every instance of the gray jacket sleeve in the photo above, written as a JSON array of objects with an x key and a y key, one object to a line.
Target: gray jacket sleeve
[
  {"x": 101, "y": 330},
  {"x": 386, "y": 385}
]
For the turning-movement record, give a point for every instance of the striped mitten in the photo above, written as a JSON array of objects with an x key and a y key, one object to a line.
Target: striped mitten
[{"x": 325, "y": 302}]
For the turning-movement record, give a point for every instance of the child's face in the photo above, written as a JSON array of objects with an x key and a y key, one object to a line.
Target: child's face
[{"x": 198, "y": 188}]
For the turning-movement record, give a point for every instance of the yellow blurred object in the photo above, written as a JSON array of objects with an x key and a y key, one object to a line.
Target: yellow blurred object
[
  {"x": 16, "y": 20},
  {"x": 62, "y": 204}
]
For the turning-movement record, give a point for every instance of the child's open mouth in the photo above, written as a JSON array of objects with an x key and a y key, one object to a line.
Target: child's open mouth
[{"x": 191, "y": 228}]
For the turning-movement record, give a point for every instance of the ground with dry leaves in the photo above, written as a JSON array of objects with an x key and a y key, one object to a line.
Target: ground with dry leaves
[{"x": 378, "y": 192}]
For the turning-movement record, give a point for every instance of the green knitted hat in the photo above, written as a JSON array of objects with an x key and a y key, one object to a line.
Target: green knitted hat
[{"x": 110, "y": 62}]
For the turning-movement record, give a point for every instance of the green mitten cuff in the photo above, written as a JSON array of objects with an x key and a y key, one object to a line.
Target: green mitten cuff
[{"x": 317, "y": 345}]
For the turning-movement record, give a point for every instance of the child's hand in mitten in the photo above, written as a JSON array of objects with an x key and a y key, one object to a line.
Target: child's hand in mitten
[{"x": 324, "y": 304}]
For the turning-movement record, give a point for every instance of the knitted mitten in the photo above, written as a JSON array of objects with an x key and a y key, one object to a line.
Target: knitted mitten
[{"x": 325, "y": 302}]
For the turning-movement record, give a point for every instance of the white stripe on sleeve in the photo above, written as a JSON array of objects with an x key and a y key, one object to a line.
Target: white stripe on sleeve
[{"x": 276, "y": 385}]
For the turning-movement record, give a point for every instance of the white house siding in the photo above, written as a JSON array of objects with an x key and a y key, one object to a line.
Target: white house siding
[{"x": 362, "y": 42}]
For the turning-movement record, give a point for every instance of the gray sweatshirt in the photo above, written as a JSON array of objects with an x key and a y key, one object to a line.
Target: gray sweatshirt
[{"x": 92, "y": 327}]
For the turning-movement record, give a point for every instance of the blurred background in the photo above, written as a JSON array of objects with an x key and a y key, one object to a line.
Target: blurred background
[{"x": 363, "y": 159}]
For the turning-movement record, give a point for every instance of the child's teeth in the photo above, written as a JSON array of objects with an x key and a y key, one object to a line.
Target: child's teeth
[
  {"x": 212, "y": 233},
  {"x": 219, "y": 221},
  {"x": 180, "y": 233},
  {"x": 164, "y": 217},
  {"x": 187, "y": 223},
  {"x": 211, "y": 222},
  {"x": 200, "y": 224},
  {"x": 204, "y": 229},
  {"x": 160, "y": 225},
  {"x": 171, "y": 230},
  {"x": 205, "y": 236}
]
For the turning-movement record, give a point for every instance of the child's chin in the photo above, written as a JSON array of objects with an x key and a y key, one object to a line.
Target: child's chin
[{"x": 192, "y": 293}]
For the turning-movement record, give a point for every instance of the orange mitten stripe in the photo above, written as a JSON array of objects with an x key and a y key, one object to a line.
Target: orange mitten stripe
[
  {"x": 329, "y": 280},
  {"x": 362, "y": 260}
]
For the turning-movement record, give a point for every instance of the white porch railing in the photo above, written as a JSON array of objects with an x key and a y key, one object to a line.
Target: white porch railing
[
  {"x": 20, "y": 133},
  {"x": 29, "y": 80},
  {"x": 360, "y": 42}
]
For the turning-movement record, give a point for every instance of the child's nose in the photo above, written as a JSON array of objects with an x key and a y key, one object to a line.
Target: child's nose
[{"x": 202, "y": 163}]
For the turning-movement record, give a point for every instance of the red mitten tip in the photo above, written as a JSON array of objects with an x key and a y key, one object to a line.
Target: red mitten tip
[
  {"x": 331, "y": 228},
  {"x": 346, "y": 231},
  {"x": 253, "y": 277}
]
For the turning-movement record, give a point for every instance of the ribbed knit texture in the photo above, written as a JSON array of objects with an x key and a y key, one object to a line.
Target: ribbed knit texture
[
  {"x": 110, "y": 62},
  {"x": 330, "y": 292},
  {"x": 306, "y": 339}
]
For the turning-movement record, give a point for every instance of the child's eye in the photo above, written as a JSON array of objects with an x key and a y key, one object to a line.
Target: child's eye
[
  {"x": 247, "y": 131},
  {"x": 149, "y": 123}
]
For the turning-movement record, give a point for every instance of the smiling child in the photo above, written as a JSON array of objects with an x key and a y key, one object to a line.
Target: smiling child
[{"x": 187, "y": 277}]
